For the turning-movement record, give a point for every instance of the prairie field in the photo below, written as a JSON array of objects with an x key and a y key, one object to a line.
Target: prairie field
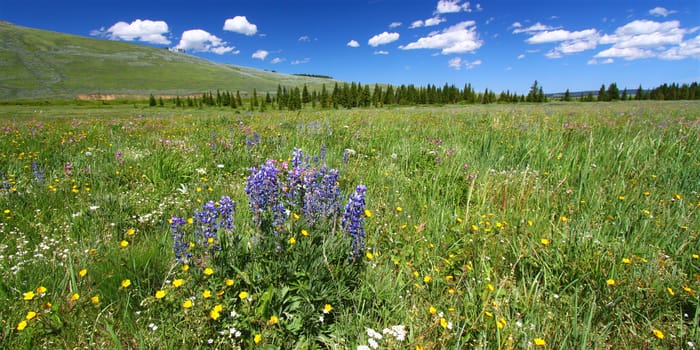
[{"x": 547, "y": 226}]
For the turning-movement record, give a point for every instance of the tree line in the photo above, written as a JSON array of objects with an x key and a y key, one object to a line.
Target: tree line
[{"x": 355, "y": 95}]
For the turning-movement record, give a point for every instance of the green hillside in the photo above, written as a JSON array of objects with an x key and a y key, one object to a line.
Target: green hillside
[{"x": 38, "y": 64}]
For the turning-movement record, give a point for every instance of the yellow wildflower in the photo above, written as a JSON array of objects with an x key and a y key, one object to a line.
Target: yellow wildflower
[
  {"x": 126, "y": 283},
  {"x": 208, "y": 271},
  {"x": 82, "y": 272},
  {"x": 658, "y": 333},
  {"x": 540, "y": 342},
  {"x": 178, "y": 282},
  {"x": 257, "y": 339},
  {"x": 292, "y": 241},
  {"x": 95, "y": 299},
  {"x": 28, "y": 295},
  {"x": 327, "y": 308},
  {"x": 243, "y": 295},
  {"x": 30, "y": 315},
  {"x": 124, "y": 243},
  {"x": 610, "y": 282},
  {"x": 273, "y": 320},
  {"x": 187, "y": 304},
  {"x": 21, "y": 326},
  {"x": 229, "y": 282},
  {"x": 160, "y": 294},
  {"x": 74, "y": 297},
  {"x": 206, "y": 294}
]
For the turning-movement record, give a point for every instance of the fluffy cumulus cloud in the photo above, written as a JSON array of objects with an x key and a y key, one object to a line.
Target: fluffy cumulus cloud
[
  {"x": 395, "y": 24},
  {"x": 452, "y": 6},
  {"x": 353, "y": 43},
  {"x": 381, "y": 52},
  {"x": 199, "y": 40},
  {"x": 459, "y": 38},
  {"x": 644, "y": 39},
  {"x": 457, "y": 63},
  {"x": 260, "y": 54},
  {"x": 537, "y": 27},
  {"x": 569, "y": 42},
  {"x": 660, "y": 12},
  {"x": 140, "y": 30},
  {"x": 432, "y": 21},
  {"x": 240, "y": 24},
  {"x": 277, "y": 60},
  {"x": 383, "y": 39}
]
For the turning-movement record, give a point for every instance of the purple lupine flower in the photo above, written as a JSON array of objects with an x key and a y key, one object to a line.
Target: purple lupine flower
[
  {"x": 294, "y": 188},
  {"x": 322, "y": 195},
  {"x": 205, "y": 224},
  {"x": 263, "y": 191},
  {"x": 180, "y": 245},
  {"x": 37, "y": 172},
  {"x": 354, "y": 222}
]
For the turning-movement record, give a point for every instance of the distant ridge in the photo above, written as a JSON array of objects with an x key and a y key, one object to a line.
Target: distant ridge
[{"x": 39, "y": 64}]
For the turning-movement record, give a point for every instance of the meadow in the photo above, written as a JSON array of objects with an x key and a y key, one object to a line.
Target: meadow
[{"x": 531, "y": 226}]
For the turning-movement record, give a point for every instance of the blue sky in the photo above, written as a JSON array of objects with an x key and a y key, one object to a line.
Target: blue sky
[{"x": 499, "y": 45}]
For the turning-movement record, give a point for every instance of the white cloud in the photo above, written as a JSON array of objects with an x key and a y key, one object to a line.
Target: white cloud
[
  {"x": 689, "y": 48},
  {"x": 395, "y": 24},
  {"x": 594, "y": 61},
  {"x": 537, "y": 27},
  {"x": 521, "y": 56},
  {"x": 240, "y": 24},
  {"x": 353, "y": 43},
  {"x": 452, "y": 6},
  {"x": 644, "y": 39},
  {"x": 561, "y": 35},
  {"x": 628, "y": 53},
  {"x": 303, "y": 61},
  {"x": 660, "y": 12},
  {"x": 457, "y": 63},
  {"x": 260, "y": 54},
  {"x": 381, "y": 52},
  {"x": 199, "y": 40},
  {"x": 382, "y": 39},
  {"x": 459, "y": 38},
  {"x": 304, "y": 39},
  {"x": 277, "y": 60},
  {"x": 417, "y": 24},
  {"x": 433, "y": 21},
  {"x": 141, "y": 30}
]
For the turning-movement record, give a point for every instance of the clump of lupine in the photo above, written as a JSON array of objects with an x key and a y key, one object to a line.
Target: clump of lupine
[
  {"x": 311, "y": 190},
  {"x": 207, "y": 223},
  {"x": 353, "y": 220}
]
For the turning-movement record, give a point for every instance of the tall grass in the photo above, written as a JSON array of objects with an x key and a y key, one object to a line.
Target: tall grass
[{"x": 554, "y": 226}]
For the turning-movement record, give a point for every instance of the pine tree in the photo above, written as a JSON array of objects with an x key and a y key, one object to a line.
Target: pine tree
[
  {"x": 567, "y": 96},
  {"x": 152, "y": 101},
  {"x": 602, "y": 94},
  {"x": 613, "y": 92}
]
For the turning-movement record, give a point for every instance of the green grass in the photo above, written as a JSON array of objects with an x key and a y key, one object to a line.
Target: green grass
[
  {"x": 37, "y": 64},
  {"x": 491, "y": 227}
]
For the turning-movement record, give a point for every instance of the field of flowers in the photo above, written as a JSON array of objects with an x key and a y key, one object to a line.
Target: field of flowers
[{"x": 502, "y": 227}]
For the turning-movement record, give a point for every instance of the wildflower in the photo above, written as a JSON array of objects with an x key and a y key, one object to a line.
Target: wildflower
[
  {"x": 369, "y": 255},
  {"x": 670, "y": 291},
  {"x": 273, "y": 320},
  {"x": 208, "y": 271},
  {"x": 160, "y": 294},
  {"x": 243, "y": 295},
  {"x": 626, "y": 261},
  {"x": 75, "y": 297},
  {"x": 229, "y": 282},
  {"x": 124, "y": 243},
  {"x": 178, "y": 282},
  {"x": 126, "y": 283},
  {"x": 187, "y": 304},
  {"x": 185, "y": 268},
  {"x": 353, "y": 222},
  {"x": 372, "y": 343},
  {"x": 327, "y": 308},
  {"x": 130, "y": 232},
  {"x": 501, "y": 323},
  {"x": 432, "y": 310},
  {"x": 28, "y": 295},
  {"x": 206, "y": 294},
  {"x": 214, "y": 314},
  {"x": 490, "y": 287},
  {"x": 544, "y": 241},
  {"x": 30, "y": 315},
  {"x": 564, "y": 218},
  {"x": 21, "y": 326},
  {"x": 257, "y": 339},
  {"x": 368, "y": 213},
  {"x": 427, "y": 278},
  {"x": 304, "y": 233},
  {"x": 399, "y": 209},
  {"x": 292, "y": 241},
  {"x": 540, "y": 342},
  {"x": 41, "y": 290},
  {"x": 610, "y": 282},
  {"x": 443, "y": 322},
  {"x": 82, "y": 272},
  {"x": 658, "y": 333}
]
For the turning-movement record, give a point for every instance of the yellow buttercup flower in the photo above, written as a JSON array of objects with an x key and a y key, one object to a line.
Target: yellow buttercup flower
[
  {"x": 368, "y": 213},
  {"x": 178, "y": 282},
  {"x": 257, "y": 339},
  {"x": 327, "y": 308},
  {"x": 130, "y": 232},
  {"x": 610, "y": 282},
  {"x": 124, "y": 243},
  {"x": 160, "y": 294},
  {"x": 273, "y": 320},
  {"x": 243, "y": 295},
  {"x": 30, "y": 315},
  {"x": 187, "y": 304},
  {"x": 206, "y": 294},
  {"x": 28, "y": 295},
  {"x": 126, "y": 283},
  {"x": 208, "y": 271},
  {"x": 41, "y": 290},
  {"x": 82, "y": 272},
  {"x": 292, "y": 241},
  {"x": 21, "y": 326},
  {"x": 658, "y": 333},
  {"x": 229, "y": 282},
  {"x": 75, "y": 297},
  {"x": 540, "y": 342}
]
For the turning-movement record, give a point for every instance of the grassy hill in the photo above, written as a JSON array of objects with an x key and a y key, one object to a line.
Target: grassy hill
[{"x": 39, "y": 64}]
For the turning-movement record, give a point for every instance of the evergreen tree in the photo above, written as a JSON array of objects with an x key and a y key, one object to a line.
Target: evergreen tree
[
  {"x": 613, "y": 92},
  {"x": 624, "y": 95},
  {"x": 305, "y": 97},
  {"x": 533, "y": 94},
  {"x": 602, "y": 94},
  {"x": 324, "y": 97},
  {"x": 567, "y": 96},
  {"x": 152, "y": 101}
]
